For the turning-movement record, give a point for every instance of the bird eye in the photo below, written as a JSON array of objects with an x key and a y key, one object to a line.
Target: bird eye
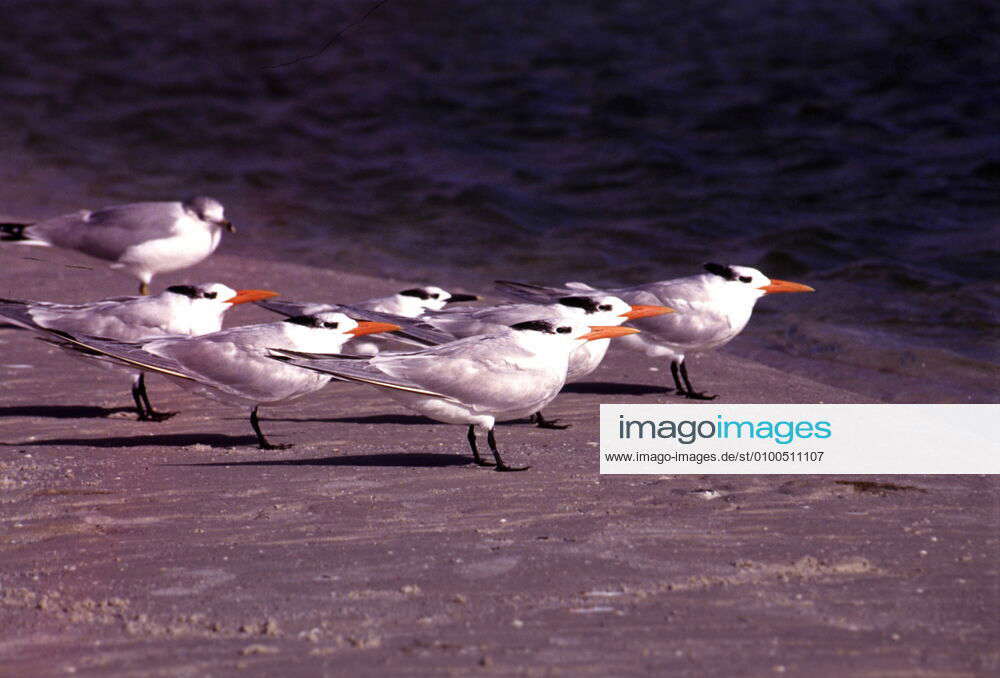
[
  {"x": 435, "y": 295},
  {"x": 211, "y": 295},
  {"x": 331, "y": 326},
  {"x": 745, "y": 278},
  {"x": 604, "y": 307},
  {"x": 563, "y": 330}
]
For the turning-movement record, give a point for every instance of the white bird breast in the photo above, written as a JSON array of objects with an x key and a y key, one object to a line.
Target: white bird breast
[
  {"x": 585, "y": 359},
  {"x": 193, "y": 243}
]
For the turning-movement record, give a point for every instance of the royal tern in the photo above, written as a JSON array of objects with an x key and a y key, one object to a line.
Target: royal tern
[
  {"x": 232, "y": 366},
  {"x": 406, "y": 304},
  {"x": 475, "y": 381},
  {"x": 178, "y": 310},
  {"x": 594, "y": 309},
  {"x": 412, "y": 302},
  {"x": 143, "y": 238},
  {"x": 710, "y": 310}
]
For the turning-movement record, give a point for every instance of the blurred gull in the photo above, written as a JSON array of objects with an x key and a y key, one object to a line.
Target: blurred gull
[{"x": 143, "y": 238}]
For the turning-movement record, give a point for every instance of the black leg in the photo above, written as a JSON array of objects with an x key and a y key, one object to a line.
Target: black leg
[
  {"x": 146, "y": 411},
  {"x": 496, "y": 455},
  {"x": 143, "y": 289},
  {"x": 541, "y": 422},
  {"x": 261, "y": 440},
  {"x": 475, "y": 450},
  {"x": 140, "y": 409},
  {"x": 678, "y": 387},
  {"x": 691, "y": 393}
]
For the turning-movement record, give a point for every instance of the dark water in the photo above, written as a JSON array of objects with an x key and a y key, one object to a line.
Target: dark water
[{"x": 851, "y": 145}]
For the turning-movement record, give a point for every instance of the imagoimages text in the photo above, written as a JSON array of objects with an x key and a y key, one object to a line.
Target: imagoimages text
[{"x": 688, "y": 431}]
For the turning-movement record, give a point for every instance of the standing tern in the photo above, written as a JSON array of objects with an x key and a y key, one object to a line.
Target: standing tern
[
  {"x": 232, "y": 366},
  {"x": 475, "y": 381},
  {"x": 178, "y": 310},
  {"x": 409, "y": 303},
  {"x": 595, "y": 309},
  {"x": 710, "y": 310},
  {"x": 143, "y": 238}
]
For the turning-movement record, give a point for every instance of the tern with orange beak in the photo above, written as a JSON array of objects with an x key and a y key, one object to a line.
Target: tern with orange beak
[
  {"x": 710, "y": 309},
  {"x": 142, "y": 238},
  {"x": 594, "y": 309},
  {"x": 476, "y": 381},
  {"x": 179, "y": 310},
  {"x": 233, "y": 366}
]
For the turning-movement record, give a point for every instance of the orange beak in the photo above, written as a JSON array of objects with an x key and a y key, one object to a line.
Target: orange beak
[
  {"x": 777, "y": 286},
  {"x": 368, "y": 327},
  {"x": 646, "y": 312},
  {"x": 243, "y": 296},
  {"x": 607, "y": 332}
]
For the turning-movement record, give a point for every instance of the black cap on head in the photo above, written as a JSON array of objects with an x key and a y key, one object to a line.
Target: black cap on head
[
  {"x": 586, "y": 303},
  {"x": 416, "y": 292},
  {"x": 457, "y": 297},
  {"x": 305, "y": 320},
  {"x": 536, "y": 325},
  {"x": 186, "y": 290},
  {"x": 720, "y": 270}
]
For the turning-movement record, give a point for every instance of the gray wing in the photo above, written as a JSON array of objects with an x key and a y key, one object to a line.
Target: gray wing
[
  {"x": 697, "y": 319},
  {"x": 121, "y": 352},
  {"x": 108, "y": 232},
  {"x": 484, "y": 372},
  {"x": 540, "y": 294},
  {"x": 348, "y": 369},
  {"x": 124, "y": 319},
  {"x": 464, "y": 322},
  {"x": 18, "y": 312},
  {"x": 415, "y": 332},
  {"x": 481, "y": 372},
  {"x": 291, "y": 309}
]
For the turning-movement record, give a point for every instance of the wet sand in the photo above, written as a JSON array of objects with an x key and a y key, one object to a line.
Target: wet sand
[{"x": 374, "y": 546}]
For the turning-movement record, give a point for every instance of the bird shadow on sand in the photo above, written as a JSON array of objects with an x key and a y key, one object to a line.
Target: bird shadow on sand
[
  {"x": 405, "y": 419},
  {"x": 611, "y": 388},
  {"x": 64, "y": 411},
  {"x": 392, "y": 459},
  {"x": 166, "y": 440}
]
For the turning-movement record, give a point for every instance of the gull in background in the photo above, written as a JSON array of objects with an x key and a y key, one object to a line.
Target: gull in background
[
  {"x": 143, "y": 238},
  {"x": 710, "y": 309},
  {"x": 178, "y": 310},
  {"x": 594, "y": 309},
  {"x": 233, "y": 366},
  {"x": 475, "y": 381}
]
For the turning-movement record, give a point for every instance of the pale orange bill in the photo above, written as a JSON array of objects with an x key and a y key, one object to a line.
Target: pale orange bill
[
  {"x": 607, "y": 332},
  {"x": 639, "y": 311},
  {"x": 777, "y": 286},
  {"x": 368, "y": 327},
  {"x": 243, "y": 296}
]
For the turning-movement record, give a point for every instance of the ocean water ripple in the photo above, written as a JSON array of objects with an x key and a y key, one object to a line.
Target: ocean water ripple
[{"x": 852, "y": 145}]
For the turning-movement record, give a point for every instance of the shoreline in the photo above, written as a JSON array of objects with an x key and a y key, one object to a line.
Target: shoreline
[{"x": 787, "y": 341}]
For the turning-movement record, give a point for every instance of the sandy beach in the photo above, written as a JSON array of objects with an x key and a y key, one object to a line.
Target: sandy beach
[{"x": 374, "y": 546}]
